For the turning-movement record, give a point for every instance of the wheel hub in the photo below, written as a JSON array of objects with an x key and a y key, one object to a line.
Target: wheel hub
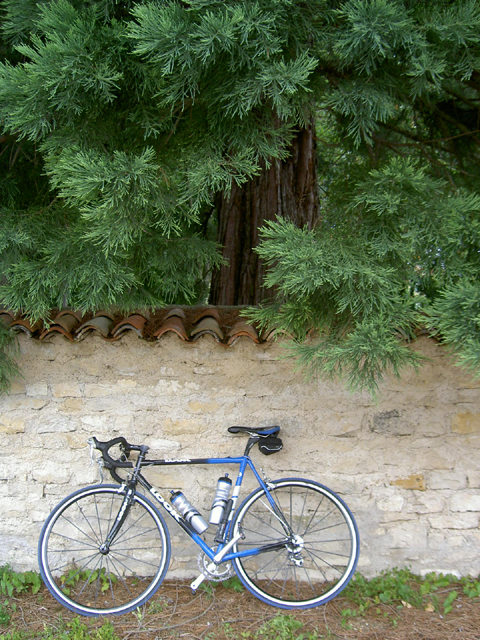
[{"x": 295, "y": 550}]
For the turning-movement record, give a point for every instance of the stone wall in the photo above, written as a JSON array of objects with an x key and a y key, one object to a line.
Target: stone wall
[{"x": 408, "y": 466}]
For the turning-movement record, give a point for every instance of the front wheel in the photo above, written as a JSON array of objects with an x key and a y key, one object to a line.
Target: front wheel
[
  {"x": 307, "y": 544},
  {"x": 90, "y": 579}
]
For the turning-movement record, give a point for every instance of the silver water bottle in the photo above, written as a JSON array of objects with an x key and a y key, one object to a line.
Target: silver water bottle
[
  {"x": 220, "y": 500},
  {"x": 188, "y": 511}
]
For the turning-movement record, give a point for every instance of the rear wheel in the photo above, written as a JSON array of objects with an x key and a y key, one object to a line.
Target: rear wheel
[
  {"x": 89, "y": 579},
  {"x": 308, "y": 541}
]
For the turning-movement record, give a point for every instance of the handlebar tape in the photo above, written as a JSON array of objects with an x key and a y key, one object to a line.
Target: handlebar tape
[{"x": 110, "y": 463}]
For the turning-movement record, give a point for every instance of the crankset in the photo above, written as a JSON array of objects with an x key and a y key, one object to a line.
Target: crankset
[{"x": 214, "y": 572}]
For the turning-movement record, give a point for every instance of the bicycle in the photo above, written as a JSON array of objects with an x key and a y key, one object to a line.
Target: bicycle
[{"x": 105, "y": 549}]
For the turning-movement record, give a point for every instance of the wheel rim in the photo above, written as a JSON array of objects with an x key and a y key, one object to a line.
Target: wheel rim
[
  {"x": 82, "y": 575},
  {"x": 317, "y": 545}
]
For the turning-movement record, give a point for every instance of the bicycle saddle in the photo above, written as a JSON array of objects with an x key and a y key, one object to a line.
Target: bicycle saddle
[{"x": 261, "y": 431}]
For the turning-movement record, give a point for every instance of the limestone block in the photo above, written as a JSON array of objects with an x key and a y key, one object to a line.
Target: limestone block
[
  {"x": 426, "y": 502},
  {"x": 159, "y": 444},
  {"x": 95, "y": 421},
  {"x": 112, "y": 405},
  {"x": 125, "y": 385},
  {"x": 51, "y": 475},
  {"x": 98, "y": 390},
  {"x": 22, "y": 403},
  {"x": 37, "y": 389},
  {"x": 346, "y": 424},
  {"x": 25, "y": 490},
  {"x": 432, "y": 428},
  {"x": 393, "y": 422},
  {"x": 465, "y": 501},
  {"x": 76, "y": 440},
  {"x": 11, "y": 507},
  {"x": 467, "y": 520},
  {"x": 177, "y": 427},
  {"x": 168, "y": 387},
  {"x": 17, "y": 388},
  {"x": 466, "y": 423},
  {"x": 411, "y": 535},
  {"x": 66, "y": 390},
  {"x": 71, "y": 405},
  {"x": 392, "y": 502},
  {"x": 57, "y": 425},
  {"x": 447, "y": 480},
  {"x": 11, "y": 425},
  {"x": 415, "y": 481},
  {"x": 474, "y": 478},
  {"x": 203, "y": 407}
]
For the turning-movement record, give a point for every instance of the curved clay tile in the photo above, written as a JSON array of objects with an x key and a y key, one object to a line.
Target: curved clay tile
[
  {"x": 208, "y": 312},
  {"x": 6, "y": 318},
  {"x": 23, "y": 324},
  {"x": 135, "y": 322},
  {"x": 242, "y": 328},
  {"x": 175, "y": 324},
  {"x": 272, "y": 334},
  {"x": 69, "y": 312},
  {"x": 64, "y": 323},
  {"x": 101, "y": 324},
  {"x": 207, "y": 325},
  {"x": 176, "y": 313}
]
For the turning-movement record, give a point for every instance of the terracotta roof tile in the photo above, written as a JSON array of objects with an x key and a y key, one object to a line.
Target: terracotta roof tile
[
  {"x": 135, "y": 322},
  {"x": 207, "y": 326},
  {"x": 6, "y": 318},
  {"x": 65, "y": 323},
  {"x": 175, "y": 324},
  {"x": 189, "y": 323},
  {"x": 23, "y": 324},
  {"x": 178, "y": 313},
  {"x": 100, "y": 324},
  {"x": 242, "y": 328},
  {"x": 209, "y": 312}
]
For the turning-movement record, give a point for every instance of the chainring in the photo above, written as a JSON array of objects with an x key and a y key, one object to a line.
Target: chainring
[{"x": 221, "y": 572}]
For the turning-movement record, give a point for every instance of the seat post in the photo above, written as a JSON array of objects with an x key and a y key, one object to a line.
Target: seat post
[{"x": 251, "y": 442}]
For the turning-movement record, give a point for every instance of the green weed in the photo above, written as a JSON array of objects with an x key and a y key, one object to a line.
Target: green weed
[
  {"x": 75, "y": 575},
  {"x": 234, "y": 584},
  {"x": 12, "y": 582},
  {"x": 400, "y": 588}
]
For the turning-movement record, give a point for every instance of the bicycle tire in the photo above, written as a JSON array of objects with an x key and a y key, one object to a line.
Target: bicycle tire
[
  {"x": 92, "y": 583},
  {"x": 305, "y": 571}
]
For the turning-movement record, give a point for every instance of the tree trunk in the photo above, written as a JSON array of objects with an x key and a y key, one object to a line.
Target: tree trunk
[{"x": 287, "y": 189}]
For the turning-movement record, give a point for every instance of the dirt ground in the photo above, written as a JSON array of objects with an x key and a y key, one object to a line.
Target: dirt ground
[{"x": 217, "y": 612}]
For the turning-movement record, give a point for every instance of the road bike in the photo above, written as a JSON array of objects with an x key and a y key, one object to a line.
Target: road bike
[{"x": 105, "y": 549}]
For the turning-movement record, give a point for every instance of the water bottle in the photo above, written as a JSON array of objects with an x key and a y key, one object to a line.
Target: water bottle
[
  {"x": 220, "y": 500},
  {"x": 189, "y": 512}
]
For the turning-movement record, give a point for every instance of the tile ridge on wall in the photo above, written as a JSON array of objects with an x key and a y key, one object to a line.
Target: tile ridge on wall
[{"x": 189, "y": 323}]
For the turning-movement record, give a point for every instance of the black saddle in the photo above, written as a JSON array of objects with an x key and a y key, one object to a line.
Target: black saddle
[{"x": 263, "y": 432}]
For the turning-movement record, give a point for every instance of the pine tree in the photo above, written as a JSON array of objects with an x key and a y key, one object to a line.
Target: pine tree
[{"x": 346, "y": 131}]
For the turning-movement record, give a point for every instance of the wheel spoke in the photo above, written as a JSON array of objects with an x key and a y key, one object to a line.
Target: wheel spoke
[
  {"x": 115, "y": 581},
  {"x": 299, "y": 575}
]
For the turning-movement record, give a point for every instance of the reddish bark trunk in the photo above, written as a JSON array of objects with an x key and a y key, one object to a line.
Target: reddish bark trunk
[{"x": 287, "y": 189}]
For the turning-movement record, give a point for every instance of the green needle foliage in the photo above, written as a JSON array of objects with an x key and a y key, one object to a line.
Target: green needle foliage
[{"x": 122, "y": 122}]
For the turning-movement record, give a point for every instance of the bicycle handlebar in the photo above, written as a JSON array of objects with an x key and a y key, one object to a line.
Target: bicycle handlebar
[{"x": 126, "y": 447}]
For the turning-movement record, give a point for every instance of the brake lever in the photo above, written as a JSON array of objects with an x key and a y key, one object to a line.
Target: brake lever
[{"x": 99, "y": 460}]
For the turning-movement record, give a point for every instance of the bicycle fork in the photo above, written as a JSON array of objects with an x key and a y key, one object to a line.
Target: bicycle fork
[{"x": 104, "y": 548}]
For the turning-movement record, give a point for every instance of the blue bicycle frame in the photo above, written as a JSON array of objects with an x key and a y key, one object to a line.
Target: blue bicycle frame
[{"x": 221, "y": 553}]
